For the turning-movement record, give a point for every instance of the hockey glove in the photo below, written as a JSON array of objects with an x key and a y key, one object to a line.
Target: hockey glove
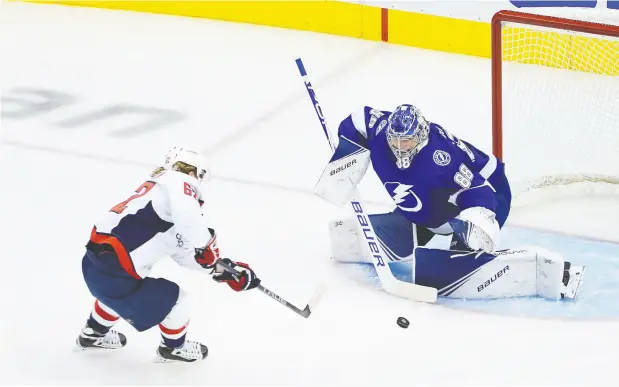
[
  {"x": 208, "y": 255},
  {"x": 478, "y": 228},
  {"x": 243, "y": 277}
]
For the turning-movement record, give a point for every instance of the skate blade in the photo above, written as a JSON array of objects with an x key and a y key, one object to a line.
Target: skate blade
[
  {"x": 79, "y": 348},
  {"x": 159, "y": 359}
]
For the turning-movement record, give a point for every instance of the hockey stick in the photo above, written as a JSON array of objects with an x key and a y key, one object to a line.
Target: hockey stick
[
  {"x": 304, "y": 313},
  {"x": 387, "y": 279}
]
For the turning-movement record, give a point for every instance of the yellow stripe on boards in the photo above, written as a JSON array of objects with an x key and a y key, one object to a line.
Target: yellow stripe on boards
[
  {"x": 439, "y": 33},
  {"x": 458, "y": 36},
  {"x": 325, "y": 16}
]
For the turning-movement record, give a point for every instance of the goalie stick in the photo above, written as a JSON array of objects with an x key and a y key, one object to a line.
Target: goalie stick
[
  {"x": 303, "y": 313},
  {"x": 389, "y": 282}
]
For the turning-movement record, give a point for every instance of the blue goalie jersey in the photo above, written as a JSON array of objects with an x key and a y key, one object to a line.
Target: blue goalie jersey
[{"x": 447, "y": 176}]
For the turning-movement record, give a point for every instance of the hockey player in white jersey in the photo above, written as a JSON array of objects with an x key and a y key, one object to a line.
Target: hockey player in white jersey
[{"x": 162, "y": 218}]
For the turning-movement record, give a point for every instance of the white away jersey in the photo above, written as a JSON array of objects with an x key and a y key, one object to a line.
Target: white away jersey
[{"x": 162, "y": 218}]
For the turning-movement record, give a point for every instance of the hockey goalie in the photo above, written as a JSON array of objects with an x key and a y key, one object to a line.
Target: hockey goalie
[{"x": 440, "y": 185}]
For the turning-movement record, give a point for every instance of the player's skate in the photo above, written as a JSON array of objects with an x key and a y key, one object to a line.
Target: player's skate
[
  {"x": 572, "y": 276},
  {"x": 189, "y": 352},
  {"x": 90, "y": 339}
]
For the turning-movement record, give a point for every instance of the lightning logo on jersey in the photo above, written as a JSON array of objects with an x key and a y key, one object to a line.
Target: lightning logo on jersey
[{"x": 400, "y": 192}]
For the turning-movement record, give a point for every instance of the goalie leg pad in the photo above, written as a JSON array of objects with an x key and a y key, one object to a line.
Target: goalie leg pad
[
  {"x": 395, "y": 234},
  {"x": 345, "y": 242},
  {"x": 549, "y": 274},
  {"x": 522, "y": 272},
  {"x": 557, "y": 278},
  {"x": 572, "y": 276},
  {"x": 470, "y": 274}
]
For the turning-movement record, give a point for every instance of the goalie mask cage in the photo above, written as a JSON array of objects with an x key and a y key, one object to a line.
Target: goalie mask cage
[{"x": 555, "y": 99}]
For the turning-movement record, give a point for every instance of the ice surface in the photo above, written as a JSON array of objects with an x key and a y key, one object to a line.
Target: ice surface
[{"x": 227, "y": 81}]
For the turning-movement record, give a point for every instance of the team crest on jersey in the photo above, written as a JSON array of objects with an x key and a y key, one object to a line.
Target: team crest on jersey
[
  {"x": 400, "y": 193},
  {"x": 441, "y": 158}
]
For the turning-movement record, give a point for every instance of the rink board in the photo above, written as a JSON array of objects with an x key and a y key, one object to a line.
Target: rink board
[
  {"x": 355, "y": 20},
  {"x": 374, "y": 23}
]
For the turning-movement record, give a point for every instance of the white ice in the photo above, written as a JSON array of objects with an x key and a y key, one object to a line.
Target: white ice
[{"x": 245, "y": 105}]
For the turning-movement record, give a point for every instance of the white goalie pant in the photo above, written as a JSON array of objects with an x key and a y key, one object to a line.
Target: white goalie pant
[{"x": 526, "y": 271}]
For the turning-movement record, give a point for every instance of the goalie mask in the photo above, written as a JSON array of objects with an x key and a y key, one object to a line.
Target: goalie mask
[{"x": 407, "y": 134}]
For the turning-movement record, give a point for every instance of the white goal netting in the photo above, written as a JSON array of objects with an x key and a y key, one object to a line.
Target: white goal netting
[{"x": 561, "y": 106}]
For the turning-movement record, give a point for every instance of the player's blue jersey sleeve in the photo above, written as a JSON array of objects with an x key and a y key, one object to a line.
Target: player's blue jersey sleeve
[
  {"x": 473, "y": 189},
  {"x": 362, "y": 125},
  {"x": 348, "y": 130},
  {"x": 480, "y": 194}
]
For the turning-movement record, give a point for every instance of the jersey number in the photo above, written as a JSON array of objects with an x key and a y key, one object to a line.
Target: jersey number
[
  {"x": 141, "y": 191},
  {"x": 190, "y": 192},
  {"x": 464, "y": 176}
]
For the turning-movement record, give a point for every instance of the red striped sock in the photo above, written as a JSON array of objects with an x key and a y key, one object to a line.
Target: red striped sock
[
  {"x": 102, "y": 318},
  {"x": 173, "y": 337}
]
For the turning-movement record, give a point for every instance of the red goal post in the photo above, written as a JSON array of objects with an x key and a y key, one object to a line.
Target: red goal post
[{"x": 558, "y": 79}]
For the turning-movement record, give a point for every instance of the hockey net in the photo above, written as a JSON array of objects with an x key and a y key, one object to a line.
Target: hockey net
[{"x": 556, "y": 100}]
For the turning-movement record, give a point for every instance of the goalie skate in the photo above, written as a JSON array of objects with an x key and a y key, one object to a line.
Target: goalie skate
[
  {"x": 189, "y": 352},
  {"x": 89, "y": 339},
  {"x": 572, "y": 277}
]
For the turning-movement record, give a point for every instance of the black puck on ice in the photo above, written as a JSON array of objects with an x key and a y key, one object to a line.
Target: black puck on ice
[{"x": 403, "y": 322}]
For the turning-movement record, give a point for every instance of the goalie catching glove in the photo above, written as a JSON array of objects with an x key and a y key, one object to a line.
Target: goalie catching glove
[
  {"x": 208, "y": 257},
  {"x": 478, "y": 228}
]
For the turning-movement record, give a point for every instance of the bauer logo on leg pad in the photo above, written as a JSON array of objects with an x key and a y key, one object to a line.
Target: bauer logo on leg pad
[
  {"x": 491, "y": 280},
  {"x": 368, "y": 233}
]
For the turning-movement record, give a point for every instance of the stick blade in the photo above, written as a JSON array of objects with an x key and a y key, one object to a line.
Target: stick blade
[
  {"x": 412, "y": 291},
  {"x": 306, "y": 312},
  {"x": 311, "y": 305}
]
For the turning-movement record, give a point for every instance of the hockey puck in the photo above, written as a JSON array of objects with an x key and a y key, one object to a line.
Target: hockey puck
[{"x": 403, "y": 322}]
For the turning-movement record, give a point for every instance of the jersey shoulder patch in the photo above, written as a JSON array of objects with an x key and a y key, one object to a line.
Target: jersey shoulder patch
[
  {"x": 441, "y": 157},
  {"x": 374, "y": 116}
]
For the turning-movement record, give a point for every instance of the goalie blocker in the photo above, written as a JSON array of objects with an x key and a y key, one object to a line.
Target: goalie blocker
[
  {"x": 343, "y": 173},
  {"x": 527, "y": 271}
]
